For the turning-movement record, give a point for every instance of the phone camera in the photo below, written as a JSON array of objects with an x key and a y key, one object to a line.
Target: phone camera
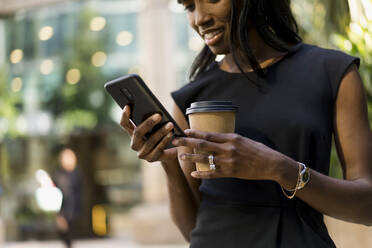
[{"x": 127, "y": 93}]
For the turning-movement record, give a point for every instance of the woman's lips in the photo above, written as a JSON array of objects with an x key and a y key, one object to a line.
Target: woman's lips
[{"x": 213, "y": 37}]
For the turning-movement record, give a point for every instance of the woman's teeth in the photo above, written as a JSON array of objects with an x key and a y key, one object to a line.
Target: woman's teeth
[{"x": 210, "y": 35}]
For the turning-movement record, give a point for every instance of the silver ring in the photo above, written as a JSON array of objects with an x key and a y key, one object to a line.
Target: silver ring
[{"x": 212, "y": 166}]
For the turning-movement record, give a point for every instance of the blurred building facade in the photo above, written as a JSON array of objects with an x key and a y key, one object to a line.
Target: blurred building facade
[{"x": 56, "y": 57}]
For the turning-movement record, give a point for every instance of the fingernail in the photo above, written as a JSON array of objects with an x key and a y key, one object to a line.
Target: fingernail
[
  {"x": 194, "y": 174},
  {"x": 187, "y": 131},
  {"x": 175, "y": 142},
  {"x": 183, "y": 156},
  {"x": 169, "y": 126},
  {"x": 156, "y": 117}
]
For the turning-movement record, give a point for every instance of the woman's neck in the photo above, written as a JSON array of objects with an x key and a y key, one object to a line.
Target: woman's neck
[{"x": 264, "y": 54}]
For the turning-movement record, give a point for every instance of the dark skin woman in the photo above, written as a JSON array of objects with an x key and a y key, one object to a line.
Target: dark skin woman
[{"x": 255, "y": 35}]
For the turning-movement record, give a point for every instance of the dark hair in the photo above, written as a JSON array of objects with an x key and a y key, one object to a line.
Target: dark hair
[{"x": 274, "y": 22}]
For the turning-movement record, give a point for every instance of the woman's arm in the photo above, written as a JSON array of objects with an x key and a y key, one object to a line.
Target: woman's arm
[
  {"x": 349, "y": 199},
  {"x": 182, "y": 203},
  {"x": 183, "y": 189}
]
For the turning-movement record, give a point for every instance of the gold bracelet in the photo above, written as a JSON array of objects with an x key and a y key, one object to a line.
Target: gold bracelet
[{"x": 297, "y": 184}]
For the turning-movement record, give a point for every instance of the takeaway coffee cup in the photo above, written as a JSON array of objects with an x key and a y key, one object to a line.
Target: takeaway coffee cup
[{"x": 211, "y": 116}]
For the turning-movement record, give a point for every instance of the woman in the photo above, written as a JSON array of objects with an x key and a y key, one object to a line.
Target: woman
[{"x": 270, "y": 186}]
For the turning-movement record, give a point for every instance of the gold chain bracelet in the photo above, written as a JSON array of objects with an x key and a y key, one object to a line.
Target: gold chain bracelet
[{"x": 297, "y": 184}]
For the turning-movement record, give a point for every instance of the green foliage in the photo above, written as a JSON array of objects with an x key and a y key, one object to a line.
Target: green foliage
[
  {"x": 8, "y": 106},
  {"x": 318, "y": 18},
  {"x": 8, "y": 117},
  {"x": 358, "y": 42},
  {"x": 81, "y": 106},
  {"x": 4, "y": 166},
  {"x": 70, "y": 120}
]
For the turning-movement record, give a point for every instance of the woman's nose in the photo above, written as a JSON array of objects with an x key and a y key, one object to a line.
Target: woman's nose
[{"x": 202, "y": 16}]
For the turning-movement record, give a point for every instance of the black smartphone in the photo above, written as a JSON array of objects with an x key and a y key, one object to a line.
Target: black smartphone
[{"x": 131, "y": 90}]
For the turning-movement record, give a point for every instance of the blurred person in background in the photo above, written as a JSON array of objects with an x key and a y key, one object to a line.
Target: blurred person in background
[
  {"x": 68, "y": 179},
  {"x": 268, "y": 183}
]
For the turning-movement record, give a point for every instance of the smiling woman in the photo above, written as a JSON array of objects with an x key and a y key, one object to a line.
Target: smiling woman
[
  {"x": 273, "y": 22},
  {"x": 268, "y": 185}
]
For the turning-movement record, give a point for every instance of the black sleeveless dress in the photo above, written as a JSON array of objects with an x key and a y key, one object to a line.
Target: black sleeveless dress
[{"x": 292, "y": 112}]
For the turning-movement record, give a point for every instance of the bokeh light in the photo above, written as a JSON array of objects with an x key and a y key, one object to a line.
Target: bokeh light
[
  {"x": 16, "y": 84},
  {"x": 96, "y": 98},
  {"x": 363, "y": 22},
  {"x": 73, "y": 76},
  {"x": 368, "y": 40},
  {"x": 46, "y": 67},
  {"x": 124, "y": 38},
  {"x": 348, "y": 46},
  {"x": 97, "y": 23},
  {"x": 46, "y": 33},
  {"x": 354, "y": 27},
  {"x": 99, "y": 59},
  {"x": 16, "y": 56}
]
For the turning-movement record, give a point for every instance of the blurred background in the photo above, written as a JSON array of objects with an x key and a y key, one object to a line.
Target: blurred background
[{"x": 56, "y": 55}]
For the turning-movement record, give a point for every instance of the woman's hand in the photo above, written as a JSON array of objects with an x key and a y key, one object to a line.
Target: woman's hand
[
  {"x": 153, "y": 148},
  {"x": 234, "y": 155}
]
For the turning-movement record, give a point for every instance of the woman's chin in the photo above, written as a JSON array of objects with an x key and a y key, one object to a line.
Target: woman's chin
[{"x": 219, "y": 50}]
